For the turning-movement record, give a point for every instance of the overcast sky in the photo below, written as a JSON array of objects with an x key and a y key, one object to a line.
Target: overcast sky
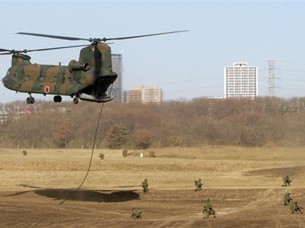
[{"x": 185, "y": 65}]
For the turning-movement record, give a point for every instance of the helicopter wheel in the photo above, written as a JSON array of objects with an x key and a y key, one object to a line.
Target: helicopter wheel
[
  {"x": 75, "y": 100},
  {"x": 30, "y": 100},
  {"x": 57, "y": 98}
]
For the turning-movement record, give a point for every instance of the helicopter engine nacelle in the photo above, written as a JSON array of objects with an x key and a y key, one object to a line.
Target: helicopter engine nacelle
[{"x": 77, "y": 66}]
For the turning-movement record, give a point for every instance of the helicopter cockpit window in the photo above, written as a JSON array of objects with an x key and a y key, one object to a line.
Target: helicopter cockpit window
[{"x": 15, "y": 76}]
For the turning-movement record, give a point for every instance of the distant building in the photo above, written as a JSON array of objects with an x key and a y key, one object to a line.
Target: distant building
[
  {"x": 4, "y": 116},
  {"x": 14, "y": 112},
  {"x": 145, "y": 95},
  {"x": 134, "y": 95},
  {"x": 117, "y": 85},
  {"x": 241, "y": 81}
]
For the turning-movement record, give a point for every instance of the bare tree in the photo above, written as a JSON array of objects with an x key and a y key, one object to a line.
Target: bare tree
[{"x": 117, "y": 136}]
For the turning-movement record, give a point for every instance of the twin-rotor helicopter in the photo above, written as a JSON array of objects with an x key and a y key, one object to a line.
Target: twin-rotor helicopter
[{"x": 87, "y": 79}]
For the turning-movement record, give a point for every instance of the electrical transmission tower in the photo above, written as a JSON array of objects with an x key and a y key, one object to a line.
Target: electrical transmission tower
[{"x": 271, "y": 71}]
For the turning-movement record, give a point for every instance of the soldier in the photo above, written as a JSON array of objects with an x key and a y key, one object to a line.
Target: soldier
[
  {"x": 296, "y": 208},
  {"x": 136, "y": 214},
  {"x": 198, "y": 185},
  {"x": 287, "y": 199},
  {"x": 286, "y": 181},
  {"x": 145, "y": 185},
  {"x": 208, "y": 209}
]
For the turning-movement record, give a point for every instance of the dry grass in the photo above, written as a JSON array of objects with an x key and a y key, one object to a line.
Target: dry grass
[
  {"x": 239, "y": 180},
  {"x": 218, "y": 166}
]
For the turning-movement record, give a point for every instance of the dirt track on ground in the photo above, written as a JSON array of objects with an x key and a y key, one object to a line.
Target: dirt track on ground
[
  {"x": 247, "y": 194},
  {"x": 248, "y": 207}
]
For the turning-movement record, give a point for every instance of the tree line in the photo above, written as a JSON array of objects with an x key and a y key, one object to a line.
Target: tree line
[{"x": 244, "y": 122}]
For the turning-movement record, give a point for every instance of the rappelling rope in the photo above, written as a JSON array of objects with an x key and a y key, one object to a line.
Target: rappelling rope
[{"x": 92, "y": 152}]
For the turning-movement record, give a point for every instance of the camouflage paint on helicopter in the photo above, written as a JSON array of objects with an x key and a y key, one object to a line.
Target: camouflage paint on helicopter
[{"x": 87, "y": 79}]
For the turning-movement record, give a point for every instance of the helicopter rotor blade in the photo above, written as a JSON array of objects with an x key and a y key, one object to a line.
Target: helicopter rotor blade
[
  {"x": 146, "y": 35},
  {"x": 54, "y": 48},
  {"x": 52, "y": 36},
  {"x": 1, "y": 50},
  {"x": 8, "y": 52},
  {"x": 99, "y": 39}
]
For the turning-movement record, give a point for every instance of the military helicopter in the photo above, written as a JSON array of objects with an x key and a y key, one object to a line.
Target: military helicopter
[{"x": 87, "y": 79}]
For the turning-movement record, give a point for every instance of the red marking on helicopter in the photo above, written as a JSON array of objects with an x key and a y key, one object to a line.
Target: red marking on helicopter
[{"x": 47, "y": 89}]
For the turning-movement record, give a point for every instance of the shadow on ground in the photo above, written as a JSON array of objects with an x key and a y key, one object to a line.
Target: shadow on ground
[{"x": 88, "y": 195}]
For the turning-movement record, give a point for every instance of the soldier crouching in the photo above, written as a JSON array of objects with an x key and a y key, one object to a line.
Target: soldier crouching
[{"x": 136, "y": 214}]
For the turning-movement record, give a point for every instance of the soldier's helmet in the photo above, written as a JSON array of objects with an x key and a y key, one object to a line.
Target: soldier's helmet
[
  {"x": 199, "y": 179},
  {"x": 208, "y": 200},
  {"x": 145, "y": 179}
]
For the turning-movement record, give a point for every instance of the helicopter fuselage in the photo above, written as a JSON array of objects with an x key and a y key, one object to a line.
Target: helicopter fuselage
[
  {"x": 47, "y": 79},
  {"x": 87, "y": 79}
]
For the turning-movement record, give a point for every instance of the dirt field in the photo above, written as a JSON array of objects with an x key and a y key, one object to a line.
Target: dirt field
[{"x": 244, "y": 186}]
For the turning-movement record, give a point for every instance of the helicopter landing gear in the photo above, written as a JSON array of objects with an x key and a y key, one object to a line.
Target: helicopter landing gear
[
  {"x": 57, "y": 98},
  {"x": 30, "y": 100},
  {"x": 75, "y": 100}
]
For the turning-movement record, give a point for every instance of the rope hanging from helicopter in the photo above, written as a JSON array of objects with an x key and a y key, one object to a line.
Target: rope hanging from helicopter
[{"x": 92, "y": 151}]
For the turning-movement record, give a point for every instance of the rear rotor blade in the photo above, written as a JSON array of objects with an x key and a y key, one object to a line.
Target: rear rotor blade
[
  {"x": 6, "y": 53},
  {"x": 96, "y": 40},
  {"x": 140, "y": 36},
  {"x": 1, "y": 49},
  {"x": 52, "y": 36}
]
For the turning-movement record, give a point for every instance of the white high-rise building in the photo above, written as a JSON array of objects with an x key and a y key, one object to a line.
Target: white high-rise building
[{"x": 241, "y": 81}]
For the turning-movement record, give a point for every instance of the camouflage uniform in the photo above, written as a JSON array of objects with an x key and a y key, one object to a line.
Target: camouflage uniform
[
  {"x": 287, "y": 199},
  {"x": 286, "y": 181},
  {"x": 198, "y": 185},
  {"x": 145, "y": 185},
  {"x": 296, "y": 208},
  {"x": 136, "y": 214},
  {"x": 208, "y": 209}
]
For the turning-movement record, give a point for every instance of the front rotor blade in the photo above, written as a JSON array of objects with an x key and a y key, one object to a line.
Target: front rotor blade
[
  {"x": 139, "y": 36},
  {"x": 52, "y": 36},
  {"x": 55, "y": 48}
]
